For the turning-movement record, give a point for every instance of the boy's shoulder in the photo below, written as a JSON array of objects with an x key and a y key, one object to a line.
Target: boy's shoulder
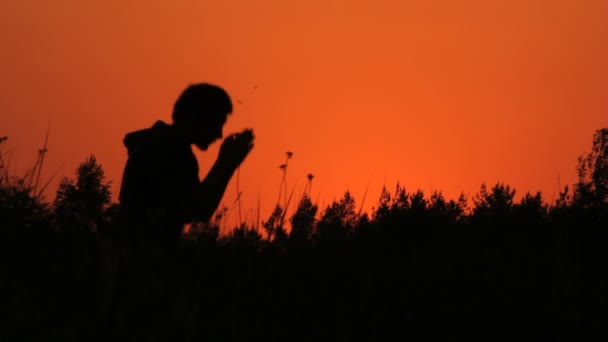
[{"x": 160, "y": 136}]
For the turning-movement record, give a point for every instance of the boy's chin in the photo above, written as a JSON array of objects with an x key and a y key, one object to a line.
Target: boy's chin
[{"x": 202, "y": 146}]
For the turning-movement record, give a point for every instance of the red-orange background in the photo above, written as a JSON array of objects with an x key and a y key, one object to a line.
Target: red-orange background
[{"x": 438, "y": 94}]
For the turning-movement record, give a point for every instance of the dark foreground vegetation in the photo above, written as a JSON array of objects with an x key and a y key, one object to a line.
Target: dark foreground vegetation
[{"x": 505, "y": 267}]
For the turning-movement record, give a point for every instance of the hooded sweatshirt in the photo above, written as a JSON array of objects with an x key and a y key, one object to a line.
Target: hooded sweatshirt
[{"x": 159, "y": 180}]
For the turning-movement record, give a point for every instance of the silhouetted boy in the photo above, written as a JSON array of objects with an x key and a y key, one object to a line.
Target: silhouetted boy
[{"x": 161, "y": 189}]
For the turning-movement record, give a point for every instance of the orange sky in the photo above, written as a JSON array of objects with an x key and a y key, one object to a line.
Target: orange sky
[{"x": 438, "y": 94}]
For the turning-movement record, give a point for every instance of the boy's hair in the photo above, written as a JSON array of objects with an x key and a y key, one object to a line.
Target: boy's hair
[{"x": 201, "y": 99}]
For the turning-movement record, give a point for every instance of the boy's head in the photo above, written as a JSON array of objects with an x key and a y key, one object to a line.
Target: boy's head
[{"x": 201, "y": 112}]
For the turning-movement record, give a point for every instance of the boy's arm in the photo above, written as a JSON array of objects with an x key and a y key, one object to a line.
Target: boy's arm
[{"x": 210, "y": 191}]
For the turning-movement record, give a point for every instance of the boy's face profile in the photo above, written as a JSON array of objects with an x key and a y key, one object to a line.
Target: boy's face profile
[{"x": 206, "y": 132}]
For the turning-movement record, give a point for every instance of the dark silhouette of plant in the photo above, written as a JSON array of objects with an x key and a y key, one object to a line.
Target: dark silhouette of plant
[
  {"x": 338, "y": 220},
  {"x": 308, "y": 187},
  {"x": 274, "y": 223},
  {"x": 496, "y": 203},
  {"x": 401, "y": 200},
  {"x": 591, "y": 190},
  {"x": 391, "y": 215},
  {"x": 20, "y": 205},
  {"x": 243, "y": 240},
  {"x": 303, "y": 221},
  {"x": 205, "y": 232},
  {"x": 19, "y": 208},
  {"x": 81, "y": 204},
  {"x": 418, "y": 204},
  {"x": 283, "y": 186},
  {"x": 382, "y": 211},
  {"x": 531, "y": 209},
  {"x": 563, "y": 201},
  {"x": 496, "y": 267},
  {"x": 392, "y": 206},
  {"x": 445, "y": 211}
]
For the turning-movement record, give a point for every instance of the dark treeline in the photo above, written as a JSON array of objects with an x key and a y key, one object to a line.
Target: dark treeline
[{"x": 498, "y": 267}]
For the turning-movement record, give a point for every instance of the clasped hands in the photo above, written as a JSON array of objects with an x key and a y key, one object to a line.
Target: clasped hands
[{"x": 235, "y": 148}]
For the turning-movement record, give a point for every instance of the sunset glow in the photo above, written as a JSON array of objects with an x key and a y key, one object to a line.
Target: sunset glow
[{"x": 435, "y": 94}]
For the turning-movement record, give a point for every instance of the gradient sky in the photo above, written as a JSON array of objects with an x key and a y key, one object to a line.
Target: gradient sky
[{"x": 437, "y": 94}]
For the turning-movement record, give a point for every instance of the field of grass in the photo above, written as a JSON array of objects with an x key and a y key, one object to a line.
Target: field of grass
[{"x": 418, "y": 265}]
